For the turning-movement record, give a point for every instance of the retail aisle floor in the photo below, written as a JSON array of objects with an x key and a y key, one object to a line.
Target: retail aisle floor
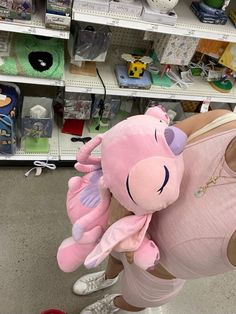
[{"x": 33, "y": 222}]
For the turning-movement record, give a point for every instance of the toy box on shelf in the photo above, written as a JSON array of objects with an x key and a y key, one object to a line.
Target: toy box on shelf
[
  {"x": 212, "y": 48},
  {"x": 124, "y": 81},
  {"x": 16, "y": 9},
  {"x": 92, "y": 5},
  {"x": 37, "y": 124},
  {"x": 111, "y": 107},
  {"x": 77, "y": 109},
  {"x": 174, "y": 49},
  {"x": 9, "y": 103},
  {"x": 211, "y": 11},
  {"x": 58, "y": 14},
  {"x": 149, "y": 15},
  {"x": 77, "y": 106},
  {"x": 89, "y": 42},
  {"x": 5, "y": 43},
  {"x": 126, "y": 7}
]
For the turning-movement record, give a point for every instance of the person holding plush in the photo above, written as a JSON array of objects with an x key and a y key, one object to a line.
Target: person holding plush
[{"x": 196, "y": 235}]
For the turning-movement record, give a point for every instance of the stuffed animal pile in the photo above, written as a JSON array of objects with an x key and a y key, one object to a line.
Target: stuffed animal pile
[{"x": 141, "y": 166}]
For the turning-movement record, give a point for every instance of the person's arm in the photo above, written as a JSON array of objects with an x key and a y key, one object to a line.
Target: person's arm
[{"x": 198, "y": 121}]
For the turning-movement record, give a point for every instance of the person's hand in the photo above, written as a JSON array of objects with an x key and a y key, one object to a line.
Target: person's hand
[{"x": 116, "y": 212}]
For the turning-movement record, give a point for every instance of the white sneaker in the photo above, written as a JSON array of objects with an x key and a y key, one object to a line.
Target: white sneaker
[
  {"x": 103, "y": 306},
  {"x": 93, "y": 282}
]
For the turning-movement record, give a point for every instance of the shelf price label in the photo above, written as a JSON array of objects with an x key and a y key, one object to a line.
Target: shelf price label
[
  {"x": 31, "y": 30},
  {"x": 113, "y": 22},
  {"x": 58, "y": 83},
  {"x": 190, "y": 32},
  {"x": 133, "y": 94},
  {"x": 62, "y": 35},
  {"x": 152, "y": 28},
  {"x": 87, "y": 90},
  {"x": 172, "y": 96},
  {"x": 224, "y": 37}
]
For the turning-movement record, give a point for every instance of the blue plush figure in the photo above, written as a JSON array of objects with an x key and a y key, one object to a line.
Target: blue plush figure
[{"x": 9, "y": 98}]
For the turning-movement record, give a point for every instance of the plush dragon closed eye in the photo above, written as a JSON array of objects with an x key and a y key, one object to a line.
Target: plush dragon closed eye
[{"x": 141, "y": 165}]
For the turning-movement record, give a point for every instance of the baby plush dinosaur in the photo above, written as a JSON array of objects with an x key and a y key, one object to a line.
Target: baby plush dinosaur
[{"x": 141, "y": 165}]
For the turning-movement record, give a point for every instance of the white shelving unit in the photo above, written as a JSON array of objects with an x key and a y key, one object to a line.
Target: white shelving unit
[
  {"x": 187, "y": 23},
  {"x": 68, "y": 149},
  {"x": 35, "y": 27},
  {"x": 199, "y": 91},
  {"x": 60, "y": 148},
  {"x": 124, "y": 33},
  {"x": 52, "y": 155},
  {"x": 30, "y": 80}
]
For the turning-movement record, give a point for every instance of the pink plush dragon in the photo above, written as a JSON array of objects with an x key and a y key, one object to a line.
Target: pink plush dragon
[{"x": 141, "y": 165}]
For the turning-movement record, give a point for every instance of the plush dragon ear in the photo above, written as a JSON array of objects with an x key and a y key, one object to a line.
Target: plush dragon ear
[
  {"x": 176, "y": 139},
  {"x": 158, "y": 112},
  {"x": 124, "y": 235},
  {"x": 85, "y": 162}
]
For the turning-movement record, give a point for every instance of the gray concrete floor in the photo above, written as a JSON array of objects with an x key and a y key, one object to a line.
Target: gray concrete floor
[{"x": 33, "y": 222}]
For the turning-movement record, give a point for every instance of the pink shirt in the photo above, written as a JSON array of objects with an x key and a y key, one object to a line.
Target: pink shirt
[{"x": 193, "y": 233}]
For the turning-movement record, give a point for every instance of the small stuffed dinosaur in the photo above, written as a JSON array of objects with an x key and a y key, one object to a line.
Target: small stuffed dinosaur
[{"x": 141, "y": 165}]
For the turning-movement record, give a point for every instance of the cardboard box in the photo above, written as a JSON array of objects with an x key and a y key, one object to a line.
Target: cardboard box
[
  {"x": 58, "y": 14},
  {"x": 16, "y": 10},
  {"x": 92, "y": 5},
  {"x": 149, "y": 15},
  {"x": 174, "y": 49},
  {"x": 37, "y": 127},
  {"x": 60, "y": 7},
  {"x": 130, "y": 8},
  {"x": 77, "y": 109},
  {"x": 56, "y": 21}
]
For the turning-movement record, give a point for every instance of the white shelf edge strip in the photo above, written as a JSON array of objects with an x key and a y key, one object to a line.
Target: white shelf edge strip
[
  {"x": 33, "y": 29},
  {"x": 31, "y": 80},
  {"x": 183, "y": 26},
  {"x": 214, "y": 97},
  {"x": 28, "y": 157}
]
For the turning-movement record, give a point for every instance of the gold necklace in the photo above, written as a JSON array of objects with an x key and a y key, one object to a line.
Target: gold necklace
[{"x": 212, "y": 180}]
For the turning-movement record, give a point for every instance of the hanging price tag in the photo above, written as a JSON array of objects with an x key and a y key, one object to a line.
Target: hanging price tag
[{"x": 206, "y": 104}]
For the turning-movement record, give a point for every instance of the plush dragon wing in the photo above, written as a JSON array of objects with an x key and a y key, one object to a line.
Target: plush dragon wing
[{"x": 126, "y": 234}]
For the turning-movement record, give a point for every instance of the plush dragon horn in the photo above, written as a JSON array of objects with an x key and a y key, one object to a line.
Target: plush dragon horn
[{"x": 87, "y": 163}]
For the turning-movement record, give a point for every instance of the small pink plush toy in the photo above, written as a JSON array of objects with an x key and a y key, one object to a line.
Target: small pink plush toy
[{"x": 141, "y": 165}]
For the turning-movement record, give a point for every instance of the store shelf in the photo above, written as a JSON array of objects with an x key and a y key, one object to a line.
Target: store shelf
[
  {"x": 52, "y": 155},
  {"x": 35, "y": 27},
  {"x": 199, "y": 91},
  {"x": 187, "y": 24},
  {"x": 69, "y": 149},
  {"x": 30, "y": 80}
]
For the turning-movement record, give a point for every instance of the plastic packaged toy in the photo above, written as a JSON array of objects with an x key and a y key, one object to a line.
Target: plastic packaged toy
[
  {"x": 9, "y": 101},
  {"x": 16, "y": 9},
  {"x": 211, "y": 11}
]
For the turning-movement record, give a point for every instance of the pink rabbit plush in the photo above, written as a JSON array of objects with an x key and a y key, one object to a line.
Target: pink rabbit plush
[{"x": 141, "y": 165}]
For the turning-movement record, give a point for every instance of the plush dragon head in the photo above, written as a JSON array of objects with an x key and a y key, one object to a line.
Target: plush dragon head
[{"x": 142, "y": 167}]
